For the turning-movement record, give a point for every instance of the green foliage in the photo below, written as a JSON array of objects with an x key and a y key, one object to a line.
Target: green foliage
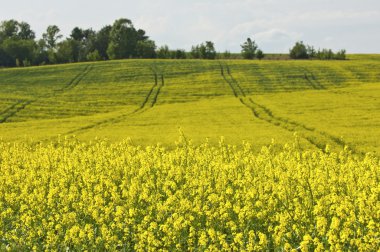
[
  {"x": 311, "y": 52},
  {"x": 260, "y": 54},
  {"x": 77, "y": 34},
  {"x": 340, "y": 55},
  {"x": 299, "y": 51},
  {"x": 248, "y": 49},
  {"x": 178, "y": 54},
  {"x": 102, "y": 40},
  {"x": 123, "y": 40},
  {"x": 146, "y": 49},
  {"x": 12, "y": 29},
  {"x": 195, "y": 52},
  {"x": 5, "y": 58},
  {"x": 328, "y": 54},
  {"x": 19, "y": 49},
  {"x": 51, "y": 36},
  {"x": 26, "y": 32},
  {"x": 226, "y": 55},
  {"x": 8, "y": 30},
  {"x": 163, "y": 52},
  {"x": 204, "y": 51},
  {"x": 209, "y": 50},
  {"x": 66, "y": 51},
  {"x": 94, "y": 56}
]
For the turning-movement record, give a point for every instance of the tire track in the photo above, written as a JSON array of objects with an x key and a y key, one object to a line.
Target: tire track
[
  {"x": 5, "y": 111},
  {"x": 149, "y": 102},
  {"x": 20, "y": 105},
  {"x": 76, "y": 80},
  {"x": 263, "y": 113},
  {"x": 366, "y": 97},
  {"x": 312, "y": 80},
  {"x": 316, "y": 84},
  {"x": 14, "y": 109}
]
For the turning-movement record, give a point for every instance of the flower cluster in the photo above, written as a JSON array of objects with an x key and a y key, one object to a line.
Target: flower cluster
[{"x": 99, "y": 196}]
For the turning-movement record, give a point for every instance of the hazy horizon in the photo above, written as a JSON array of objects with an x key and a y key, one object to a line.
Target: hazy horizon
[{"x": 275, "y": 25}]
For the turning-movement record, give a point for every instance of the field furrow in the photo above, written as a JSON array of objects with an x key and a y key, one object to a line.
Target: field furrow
[
  {"x": 149, "y": 102},
  {"x": 313, "y": 136}
]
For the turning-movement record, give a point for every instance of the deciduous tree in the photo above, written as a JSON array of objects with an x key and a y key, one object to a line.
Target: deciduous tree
[
  {"x": 248, "y": 49},
  {"x": 51, "y": 36}
]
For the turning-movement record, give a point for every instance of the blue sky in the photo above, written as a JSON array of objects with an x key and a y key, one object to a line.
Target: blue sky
[{"x": 274, "y": 24}]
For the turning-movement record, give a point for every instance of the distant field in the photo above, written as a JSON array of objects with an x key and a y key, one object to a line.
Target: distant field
[{"x": 150, "y": 101}]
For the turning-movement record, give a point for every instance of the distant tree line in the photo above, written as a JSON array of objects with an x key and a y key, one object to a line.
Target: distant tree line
[
  {"x": 19, "y": 46},
  {"x": 302, "y": 51}
]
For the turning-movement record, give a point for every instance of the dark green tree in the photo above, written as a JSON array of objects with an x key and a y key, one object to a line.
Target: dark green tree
[
  {"x": 51, "y": 36},
  {"x": 180, "y": 54},
  {"x": 248, "y": 49},
  {"x": 94, "y": 56},
  {"x": 5, "y": 59},
  {"x": 226, "y": 54},
  {"x": 77, "y": 34},
  {"x": 42, "y": 55},
  {"x": 25, "y": 31},
  {"x": 195, "y": 52},
  {"x": 67, "y": 51},
  {"x": 8, "y": 30},
  {"x": 260, "y": 54},
  {"x": 209, "y": 50},
  {"x": 21, "y": 51},
  {"x": 340, "y": 55},
  {"x": 311, "y": 51},
  {"x": 12, "y": 29},
  {"x": 141, "y": 35},
  {"x": 203, "y": 51},
  {"x": 123, "y": 40},
  {"x": 146, "y": 49},
  {"x": 299, "y": 51},
  {"x": 102, "y": 40},
  {"x": 163, "y": 52}
]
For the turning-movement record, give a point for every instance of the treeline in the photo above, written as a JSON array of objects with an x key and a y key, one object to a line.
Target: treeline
[
  {"x": 302, "y": 51},
  {"x": 20, "y": 47}
]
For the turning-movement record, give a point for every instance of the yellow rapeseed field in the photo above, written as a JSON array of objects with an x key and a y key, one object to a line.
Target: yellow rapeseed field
[{"x": 72, "y": 196}]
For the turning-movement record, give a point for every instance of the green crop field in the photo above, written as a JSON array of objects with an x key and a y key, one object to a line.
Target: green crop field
[{"x": 333, "y": 103}]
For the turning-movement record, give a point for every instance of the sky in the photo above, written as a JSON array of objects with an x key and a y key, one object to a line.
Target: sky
[{"x": 275, "y": 25}]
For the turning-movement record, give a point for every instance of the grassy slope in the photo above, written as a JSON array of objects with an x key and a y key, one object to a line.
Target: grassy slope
[{"x": 150, "y": 100}]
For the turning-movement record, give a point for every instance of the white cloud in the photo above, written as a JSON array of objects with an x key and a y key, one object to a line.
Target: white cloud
[
  {"x": 276, "y": 34},
  {"x": 156, "y": 24}
]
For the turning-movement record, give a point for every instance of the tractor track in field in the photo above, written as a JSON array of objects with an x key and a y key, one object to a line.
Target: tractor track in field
[
  {"x": 149, "y": 102},
  {"x": 312, "y": 80},
  {"x": 310, "y": 77},
  {"x": 366, "y": 97},
  {"x": 14, "y": 109},
  {"x": 76, "y": 80},
  {"x": 265, "y": 114},
  {"x": 10, "y": 108},
  {"x": 20, "y": 105}
]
